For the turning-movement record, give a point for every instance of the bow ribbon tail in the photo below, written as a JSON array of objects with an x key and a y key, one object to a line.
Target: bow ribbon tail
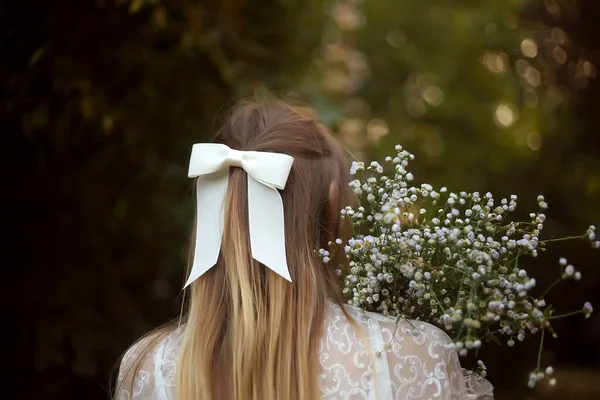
[
  {"x": 210, "y": 192},
  {"x": 267, "y": 233}
]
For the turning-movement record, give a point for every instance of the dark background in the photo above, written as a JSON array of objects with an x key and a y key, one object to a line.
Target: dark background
[{"x": 101, "y": 100}]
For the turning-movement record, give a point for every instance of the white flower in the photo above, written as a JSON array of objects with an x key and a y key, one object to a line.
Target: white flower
[
  {"x": 356, "y": 167},
  {"x": 417, "y": 258},
  {"x": 522, "y": 273},
  {"x": 562, "y": 261},
  {"x": 541, "y": 303},
  {"x": 375, "y": 165},
  {"x": 587, "y": 309},
  {"x": 569, "y": 270}
]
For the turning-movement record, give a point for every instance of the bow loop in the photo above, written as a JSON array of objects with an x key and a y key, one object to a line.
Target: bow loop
[
  {"x": 267, "y": 172},
  {"x": 271, "y": 169},
  {"x": 235, "y": 158}
]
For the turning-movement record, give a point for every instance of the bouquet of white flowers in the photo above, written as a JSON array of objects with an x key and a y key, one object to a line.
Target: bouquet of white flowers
[{"x": 450, "y": 259}]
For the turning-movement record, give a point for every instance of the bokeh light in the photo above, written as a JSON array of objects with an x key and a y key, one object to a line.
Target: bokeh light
[{"x": 505, "y": 115}]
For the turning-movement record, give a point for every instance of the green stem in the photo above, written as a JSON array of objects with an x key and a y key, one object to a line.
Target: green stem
[
  {"x": 561, "y": 239},
  {"x": 400, "y": 317},
  {"x": 462, "y": 323},
  {"x": 463, "y": 272},
  {"x": 395, "y": 328},
  {"x": 565, "y": 315},
  {"x": 539, "y": 359},
  {"x": 517, "y": 258},
  {"x": 550, "y": 287},
  {"x": 500, "y": 261},
  {"x": 437, "y": 300}
]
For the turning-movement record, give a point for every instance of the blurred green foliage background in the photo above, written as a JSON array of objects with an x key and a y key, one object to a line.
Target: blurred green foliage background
[{"x": 102, "y": 99}]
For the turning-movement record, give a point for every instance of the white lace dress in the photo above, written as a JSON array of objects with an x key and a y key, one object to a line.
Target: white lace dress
[{"x": 354, "y": 364}]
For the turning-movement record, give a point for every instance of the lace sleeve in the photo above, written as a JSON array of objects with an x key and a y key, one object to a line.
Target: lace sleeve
[
  {"x": 148, "y": 369},
  {"x": 136, "y": 372},
  {"x": 420, "y": 364}
]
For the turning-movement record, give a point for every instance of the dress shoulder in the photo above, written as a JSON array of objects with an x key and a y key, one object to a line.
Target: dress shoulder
[
  {"x": 413, "y": 359},
  {"x": 148, "y": 368}
]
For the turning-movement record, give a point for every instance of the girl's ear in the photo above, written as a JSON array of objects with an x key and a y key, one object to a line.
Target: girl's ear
[{"x": 334, "y": 201}]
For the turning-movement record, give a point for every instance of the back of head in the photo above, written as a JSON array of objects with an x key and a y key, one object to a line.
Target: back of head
[{"x": 251, "y": 334}]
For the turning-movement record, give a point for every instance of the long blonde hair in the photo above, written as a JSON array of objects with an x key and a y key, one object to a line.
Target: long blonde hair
[{"x": 250, "y": 334}]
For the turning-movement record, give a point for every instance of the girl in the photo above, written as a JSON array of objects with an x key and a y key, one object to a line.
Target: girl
[{"x": 250, "y": 333}]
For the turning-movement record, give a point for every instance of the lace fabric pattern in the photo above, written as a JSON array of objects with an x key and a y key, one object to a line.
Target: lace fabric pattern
[
  {"x": 371, "y": 358},
  {"x": 479, "y": 386}
]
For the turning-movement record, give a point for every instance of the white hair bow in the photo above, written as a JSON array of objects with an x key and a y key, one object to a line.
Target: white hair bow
[{"x": 267, "y": 172}]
